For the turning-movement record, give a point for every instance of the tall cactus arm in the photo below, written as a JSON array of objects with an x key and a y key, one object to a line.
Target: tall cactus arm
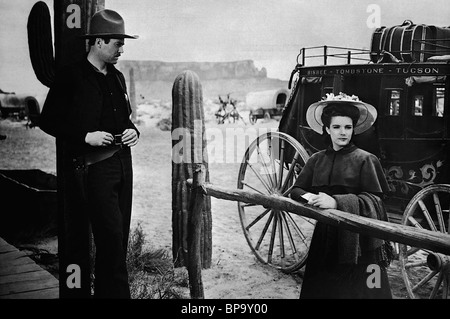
[{"x": 40, "y": 43}]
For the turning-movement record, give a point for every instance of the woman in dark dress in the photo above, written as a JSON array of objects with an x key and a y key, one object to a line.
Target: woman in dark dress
[{"x": 341, "y": 263}]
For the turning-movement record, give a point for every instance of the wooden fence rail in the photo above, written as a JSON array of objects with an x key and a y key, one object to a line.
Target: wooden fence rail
[{"x": 408, "y": 235}]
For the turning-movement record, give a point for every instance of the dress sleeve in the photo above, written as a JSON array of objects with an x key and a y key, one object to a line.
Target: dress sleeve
[
  {"x": 372, "y": 177},
  {"x": 304, "y": 180},
  {"x": 305, "y": 177}
]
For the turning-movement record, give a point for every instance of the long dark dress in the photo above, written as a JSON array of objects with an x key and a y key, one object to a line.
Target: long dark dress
[{"x": 338, "y": 259}]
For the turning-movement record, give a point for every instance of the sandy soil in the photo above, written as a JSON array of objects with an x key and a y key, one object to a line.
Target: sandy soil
[{"x": 235, "y": 271}]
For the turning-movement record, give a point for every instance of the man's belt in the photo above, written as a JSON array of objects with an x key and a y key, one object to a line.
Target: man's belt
[{"x": 95, "y": 157}]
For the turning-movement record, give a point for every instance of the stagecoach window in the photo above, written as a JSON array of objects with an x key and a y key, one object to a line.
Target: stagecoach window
[
  {"x": 418, "y": 105},
  {"x": 394, "y": 103},
  {"x": 438, "y": 101}
]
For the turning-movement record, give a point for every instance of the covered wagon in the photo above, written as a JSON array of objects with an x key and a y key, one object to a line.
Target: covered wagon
[
  {"x": 22, "y": 105},
  {"x": 266, "y": 104}
]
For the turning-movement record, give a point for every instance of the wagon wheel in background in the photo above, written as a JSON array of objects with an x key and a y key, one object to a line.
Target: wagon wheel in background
[
  {"x": 427, "y": 274},
  {"x": 267, "y": 116},
  {"x": 270, "y": 166}
]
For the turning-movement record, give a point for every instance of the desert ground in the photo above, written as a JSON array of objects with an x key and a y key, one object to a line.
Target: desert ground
[{"x": 235, "y": 272}]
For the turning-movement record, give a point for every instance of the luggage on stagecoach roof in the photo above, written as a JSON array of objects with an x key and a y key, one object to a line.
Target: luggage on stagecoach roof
[{"x": 410, "y": 42}]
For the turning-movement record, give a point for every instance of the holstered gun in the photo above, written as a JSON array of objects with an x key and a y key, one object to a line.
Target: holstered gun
[{"x": 81, "y": 165}]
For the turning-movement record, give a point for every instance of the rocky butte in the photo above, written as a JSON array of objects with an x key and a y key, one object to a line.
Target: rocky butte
[
  {"x": 154, "y": 79},
  {"x": 168, "y": 71}
]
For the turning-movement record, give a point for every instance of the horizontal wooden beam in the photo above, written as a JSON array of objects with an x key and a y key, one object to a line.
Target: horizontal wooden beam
[{"x": 408, "y": 235}]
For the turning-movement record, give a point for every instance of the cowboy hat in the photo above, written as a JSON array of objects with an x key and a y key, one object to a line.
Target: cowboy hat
[
  {"x": 367, "y": 113},
  {"x": 107, "y": 23}
]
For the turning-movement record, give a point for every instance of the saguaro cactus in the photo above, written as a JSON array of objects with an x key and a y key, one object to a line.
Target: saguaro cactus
[
  {"x": 188, "y": 150},
  {"x": 71, "y": 19},
  {"x": 40, "y": 43}
]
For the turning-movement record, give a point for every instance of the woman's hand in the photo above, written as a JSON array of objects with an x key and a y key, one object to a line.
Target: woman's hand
[
  {"x": 130, "y": 137},
  {"x": 323, "y": 200}
]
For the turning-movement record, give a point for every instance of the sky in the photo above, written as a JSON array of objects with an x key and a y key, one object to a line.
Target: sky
[{"x": 270, "y": 32}]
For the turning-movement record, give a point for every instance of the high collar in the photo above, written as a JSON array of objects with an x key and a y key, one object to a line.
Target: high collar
[
  {"x": 345, "y": 150},
  {"x": 110, "y": 67}
]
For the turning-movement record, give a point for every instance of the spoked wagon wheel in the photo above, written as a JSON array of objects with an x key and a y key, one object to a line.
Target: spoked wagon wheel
[
  {"x": 427, "y": 274},
  {"x": 271, "y": 166}
]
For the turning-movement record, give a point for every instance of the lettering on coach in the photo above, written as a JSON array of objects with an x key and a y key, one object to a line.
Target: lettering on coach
[{"x": 373, "y": 70}]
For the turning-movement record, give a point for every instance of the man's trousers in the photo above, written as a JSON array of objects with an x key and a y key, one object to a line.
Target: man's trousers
[{"x": 109, "y": 187}]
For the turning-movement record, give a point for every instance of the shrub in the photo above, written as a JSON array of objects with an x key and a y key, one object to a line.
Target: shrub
[{"x": 151, "y": 272}]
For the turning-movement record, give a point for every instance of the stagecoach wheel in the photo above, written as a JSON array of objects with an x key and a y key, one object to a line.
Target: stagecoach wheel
[
  {"x": 427, "y": 274},
  {"x": 270, "y": 166}
]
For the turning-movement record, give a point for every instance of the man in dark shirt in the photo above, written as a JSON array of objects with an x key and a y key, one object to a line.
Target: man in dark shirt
[{"x": 88, "y": 111}]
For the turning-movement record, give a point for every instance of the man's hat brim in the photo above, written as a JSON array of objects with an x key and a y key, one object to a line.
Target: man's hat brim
[
  {"x": 367, "y": 115},
  {"x": 110, "y": 35},
  {"x": 107, "y": 23}
]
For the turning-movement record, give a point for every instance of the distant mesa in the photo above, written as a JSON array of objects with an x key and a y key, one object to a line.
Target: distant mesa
[
  {"x": 207, "y": 71},
  {"x": 154, "y": 79}
]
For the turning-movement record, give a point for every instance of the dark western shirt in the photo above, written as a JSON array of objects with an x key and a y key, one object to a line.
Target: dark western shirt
[{"x": 114, "y": 115}]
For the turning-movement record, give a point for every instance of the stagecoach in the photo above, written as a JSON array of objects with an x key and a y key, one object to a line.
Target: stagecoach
[{"x": 405, "y": 76}]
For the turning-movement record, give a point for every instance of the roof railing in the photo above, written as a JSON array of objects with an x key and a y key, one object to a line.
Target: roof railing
[
  {"x": 435, "y": 47},
  {"x": 332, "y": 52}
]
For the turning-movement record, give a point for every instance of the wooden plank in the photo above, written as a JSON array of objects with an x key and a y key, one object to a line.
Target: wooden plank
[
  {"x": 6, "y": 257},
  {"x": 17, "y": 269},
  {"x": 30, "y": 285},
  {"x": 7, "y": 248},
  {"x": 50, "y": 293},
  {"x": 14, "y": 258},
  {"x": 27, "y": 276},
  {"x": 22, "y": 278}
]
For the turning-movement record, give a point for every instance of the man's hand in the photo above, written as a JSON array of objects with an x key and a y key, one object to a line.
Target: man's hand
[
  {"x": 99, "y": 138},
  {"x": 130, "y": 137},
  {"x": 322, "y": 200}
]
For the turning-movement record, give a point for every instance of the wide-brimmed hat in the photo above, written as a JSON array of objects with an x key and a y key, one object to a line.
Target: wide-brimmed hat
[
  {"x": 107, "y": 23},
  {"x": 367, "y": 113}
]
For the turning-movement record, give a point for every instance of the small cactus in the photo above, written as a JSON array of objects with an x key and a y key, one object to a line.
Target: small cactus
[
  {"x": 188, "y": 118},
  {"x": 40, "y": 43}
]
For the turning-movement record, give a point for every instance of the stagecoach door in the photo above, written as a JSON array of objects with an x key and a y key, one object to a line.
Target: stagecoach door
[
  {"x": 425, "y": 108},
  {"x": 391, "y": 123},
  {"x": 413, "y": 108}
]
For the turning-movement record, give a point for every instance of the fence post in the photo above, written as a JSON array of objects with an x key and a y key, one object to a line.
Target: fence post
[
  {"x": 194, "y": 235},
  {"x": 132, "y": 95}
]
